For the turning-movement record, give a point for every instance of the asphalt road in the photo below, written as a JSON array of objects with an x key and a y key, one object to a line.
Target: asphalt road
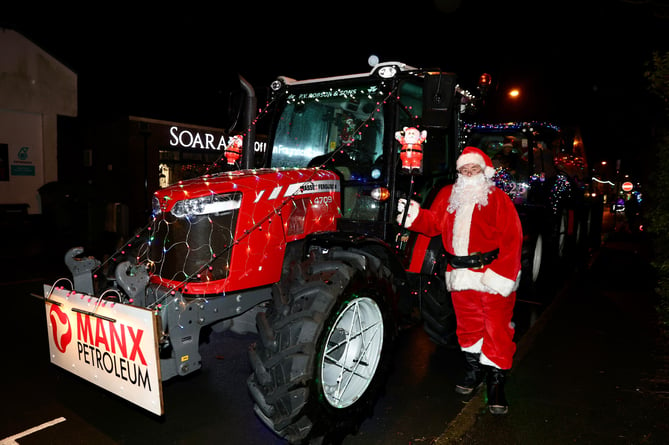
[
  {"x": 210, "y": 406},
  {"x": 42, "y": 403}
]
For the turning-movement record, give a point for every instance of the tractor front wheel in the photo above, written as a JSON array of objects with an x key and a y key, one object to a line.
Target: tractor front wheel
[{"x": 325, "y": 347}]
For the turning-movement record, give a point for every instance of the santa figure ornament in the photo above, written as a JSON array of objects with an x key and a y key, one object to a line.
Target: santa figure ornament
[
  {"x": 411, "y": 152},
  {"x": 234, "y": 149},
  {"x": 347, "y": 134}
]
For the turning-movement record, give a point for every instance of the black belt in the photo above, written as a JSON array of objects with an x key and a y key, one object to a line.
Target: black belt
[{"x": 474, "y": 261}]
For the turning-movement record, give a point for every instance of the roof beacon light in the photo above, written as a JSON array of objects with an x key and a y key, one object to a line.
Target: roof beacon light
[{"x": 387, "y": 72}]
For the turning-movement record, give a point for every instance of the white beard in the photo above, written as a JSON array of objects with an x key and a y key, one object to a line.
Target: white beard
[{"x": 470, "y": 190}]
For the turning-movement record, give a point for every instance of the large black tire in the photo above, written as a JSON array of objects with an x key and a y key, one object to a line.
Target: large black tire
[
  {"x": 436, "y": 308},
  {"x": 560, "y": 241},
  {"x": 538, "y": 254},
  {"x": 325, "y": 347},
  {"x": 561, "y": 237},
  {"x": 584, "y": 229},
  {"x": 435, "y": 304},
  {"x": 534, "y": 266},
  {"x": 596, "y": 212}
]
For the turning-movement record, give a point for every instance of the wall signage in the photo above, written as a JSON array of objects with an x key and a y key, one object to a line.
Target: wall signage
[{"x": 196, "y": 140}]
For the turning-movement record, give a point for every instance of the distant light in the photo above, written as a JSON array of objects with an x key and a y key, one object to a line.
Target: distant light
[
  {"x": 514, "y": 93},
  {"x": 601, "y": 181},
  {"x": 373, "y": 60}
]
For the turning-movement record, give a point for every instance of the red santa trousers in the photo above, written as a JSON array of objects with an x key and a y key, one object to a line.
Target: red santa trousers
[{"x": 485, "y": 325}]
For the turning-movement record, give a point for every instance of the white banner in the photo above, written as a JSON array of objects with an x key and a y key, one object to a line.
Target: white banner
[{"x": 111, "y": 345}]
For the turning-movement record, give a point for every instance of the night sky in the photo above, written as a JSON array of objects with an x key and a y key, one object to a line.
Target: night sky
[{"x": 576, "y": 62}]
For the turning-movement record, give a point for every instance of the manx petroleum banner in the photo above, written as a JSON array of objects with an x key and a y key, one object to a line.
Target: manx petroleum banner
[{"x": 111, "y": 345}]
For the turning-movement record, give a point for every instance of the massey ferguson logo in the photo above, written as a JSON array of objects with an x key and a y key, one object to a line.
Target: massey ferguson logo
[
  {"x": 299, "y": 188},
  {"x": 307, "y": 187},
  {"x": 61, "y": 328}
]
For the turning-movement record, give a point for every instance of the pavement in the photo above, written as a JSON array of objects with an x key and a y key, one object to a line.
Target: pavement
[{"x": 593, "y": 369}]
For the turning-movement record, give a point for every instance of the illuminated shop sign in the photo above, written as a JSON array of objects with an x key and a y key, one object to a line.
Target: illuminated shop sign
[{"x": 196, "y": 140}]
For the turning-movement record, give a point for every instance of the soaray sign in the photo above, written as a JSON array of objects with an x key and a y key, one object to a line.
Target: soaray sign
[
  {"x": 111, "y": 345},
  {"x": 196, "y": 140}
]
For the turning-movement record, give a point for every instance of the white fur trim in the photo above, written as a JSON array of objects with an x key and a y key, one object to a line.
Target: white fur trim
[
  {"x": 466, "y": 279},
  {"x": 470, "y": 158},
  {"x": 489, "y": 172},
  {"x": 462, "y": 224},
  {"x": 483, "y": 281},
  {"x": 487, "y": 362},
  {"x": 475, "y": 348},
  {"x": 500, "y": 284}
]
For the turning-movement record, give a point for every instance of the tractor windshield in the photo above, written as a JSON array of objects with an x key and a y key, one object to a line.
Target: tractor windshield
[
  {"x": 338, "y": 129},
  {"x": 350, "y": 126}
]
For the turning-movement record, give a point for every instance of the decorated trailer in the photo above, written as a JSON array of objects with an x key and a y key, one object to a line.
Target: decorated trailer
[{"x": 295, "y": 240}]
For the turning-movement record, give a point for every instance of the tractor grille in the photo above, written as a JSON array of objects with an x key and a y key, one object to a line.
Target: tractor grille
[{"x": 193, "y": 248}]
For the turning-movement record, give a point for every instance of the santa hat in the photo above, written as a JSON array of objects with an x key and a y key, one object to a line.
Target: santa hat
[{"x": 472, "y": 155}]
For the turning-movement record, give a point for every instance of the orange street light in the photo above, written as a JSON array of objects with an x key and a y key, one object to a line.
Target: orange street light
[{"x": 514, "y": 93}]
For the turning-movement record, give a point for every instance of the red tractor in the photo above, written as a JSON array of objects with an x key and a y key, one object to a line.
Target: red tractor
[{"x": 299, "y": 243}]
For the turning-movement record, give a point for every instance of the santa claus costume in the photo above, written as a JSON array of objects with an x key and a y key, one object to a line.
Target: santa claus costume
[{"x": 482, "y": 235}]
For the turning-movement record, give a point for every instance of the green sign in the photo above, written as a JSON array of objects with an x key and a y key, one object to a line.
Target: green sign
[{"x": 23, "y": 170}]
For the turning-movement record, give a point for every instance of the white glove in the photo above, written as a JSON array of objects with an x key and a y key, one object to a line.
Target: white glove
[{"x": 414, "y": 209}]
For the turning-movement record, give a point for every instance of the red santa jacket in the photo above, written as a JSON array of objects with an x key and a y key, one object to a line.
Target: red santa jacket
[{"x": 481, "y": 229}]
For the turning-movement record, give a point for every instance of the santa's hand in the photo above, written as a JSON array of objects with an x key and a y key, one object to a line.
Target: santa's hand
[{"x": 412, "y": 213}]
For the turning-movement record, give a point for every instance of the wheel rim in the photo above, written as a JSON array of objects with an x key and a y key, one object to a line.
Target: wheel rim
[
  {"x": 562, "y": 235},
  {"x": 352, "y": 354},
  {"x": 536, "y": 259}
]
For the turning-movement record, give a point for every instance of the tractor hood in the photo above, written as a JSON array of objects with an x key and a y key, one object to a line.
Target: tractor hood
[{"x": 226, "y": 232}]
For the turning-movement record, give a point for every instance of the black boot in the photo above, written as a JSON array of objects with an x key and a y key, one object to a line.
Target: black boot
[
  {"x": 473, "y": 374},
  {"x": 497, "y": 403}
]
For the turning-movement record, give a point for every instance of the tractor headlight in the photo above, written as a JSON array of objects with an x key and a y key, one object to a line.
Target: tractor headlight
[
  {"x": 155, "y": 206},
  {"x": 206, "y": 205}
]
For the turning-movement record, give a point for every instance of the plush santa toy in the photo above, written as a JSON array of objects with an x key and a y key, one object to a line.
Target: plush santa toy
[
  {"x": 347, "y": 134},
  {"x": 234, "y": 149},
  {"x": 411, "y": 152}
]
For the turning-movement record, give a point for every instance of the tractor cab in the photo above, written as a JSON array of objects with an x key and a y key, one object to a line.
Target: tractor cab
[{"x": 354, "y": 125}]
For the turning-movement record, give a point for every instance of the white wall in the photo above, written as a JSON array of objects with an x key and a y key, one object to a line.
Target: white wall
[
  {"x": 35, "y": 89},
  {"x": 22, "y": 133}
]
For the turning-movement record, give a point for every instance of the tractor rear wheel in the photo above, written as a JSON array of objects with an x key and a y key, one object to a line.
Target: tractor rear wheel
[{"x": 438, "y": 314}]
